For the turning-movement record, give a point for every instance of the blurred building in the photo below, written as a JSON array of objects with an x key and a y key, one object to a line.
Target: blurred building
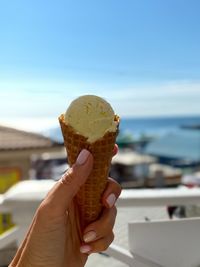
[
  {"x": 135, "y": 170},
  {"x": 16, "y": 150}
]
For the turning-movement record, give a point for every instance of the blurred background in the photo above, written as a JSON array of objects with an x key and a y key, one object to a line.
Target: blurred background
[{"x": 141, "y": 56}]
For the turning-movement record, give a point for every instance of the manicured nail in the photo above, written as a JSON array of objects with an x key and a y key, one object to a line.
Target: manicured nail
[
  {"x": 90, "y": 236},
  {"x": 82, "y": 157},
  {"x": 85, "y": 249},
  {"x": 111, "y": 200}
]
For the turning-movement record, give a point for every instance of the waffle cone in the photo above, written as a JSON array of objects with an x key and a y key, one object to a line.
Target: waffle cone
[{"x": 88, "y": 198}]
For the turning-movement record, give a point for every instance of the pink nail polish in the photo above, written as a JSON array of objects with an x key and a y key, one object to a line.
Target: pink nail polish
[
  {"x": 111, "y": 200},
  {"x": 85, "y": 249},
  {"x": 82, "y": 157},
  {"x": 90, "y": 236}
]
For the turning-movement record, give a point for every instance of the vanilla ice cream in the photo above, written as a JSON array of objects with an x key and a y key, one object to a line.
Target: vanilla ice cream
[{"x": 91, "y": 116}]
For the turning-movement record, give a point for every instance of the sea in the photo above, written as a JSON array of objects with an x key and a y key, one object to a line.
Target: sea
[
  {"x": 156, "y": 126},
  {"x": 137, "y": 127}
]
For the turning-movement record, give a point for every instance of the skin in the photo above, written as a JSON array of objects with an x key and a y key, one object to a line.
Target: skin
[{"x": 54, "y": 238}]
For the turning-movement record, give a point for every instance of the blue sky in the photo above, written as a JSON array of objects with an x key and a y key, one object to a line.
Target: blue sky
[{"x": 143, "y": 56}]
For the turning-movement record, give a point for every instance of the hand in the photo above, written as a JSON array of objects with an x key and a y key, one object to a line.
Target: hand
[{"x": 53, "y": 238}]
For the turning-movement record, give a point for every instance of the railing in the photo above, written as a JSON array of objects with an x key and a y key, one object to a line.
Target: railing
[{"x": 159, "y": 197}]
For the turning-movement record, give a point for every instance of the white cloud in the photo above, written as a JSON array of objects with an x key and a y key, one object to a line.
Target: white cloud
[{"x": 48, "y": 98}]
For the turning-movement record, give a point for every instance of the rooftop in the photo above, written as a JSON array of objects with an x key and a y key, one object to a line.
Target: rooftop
[
  {"x": 129, "y": 157},
  {"x": 14, "y": 139}
]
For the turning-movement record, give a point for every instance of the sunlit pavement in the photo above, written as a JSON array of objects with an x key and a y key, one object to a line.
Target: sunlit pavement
[{"x": 124, "y": 216}]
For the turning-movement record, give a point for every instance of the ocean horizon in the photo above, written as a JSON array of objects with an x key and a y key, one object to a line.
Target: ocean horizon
[{"x": 133, "y": 123}]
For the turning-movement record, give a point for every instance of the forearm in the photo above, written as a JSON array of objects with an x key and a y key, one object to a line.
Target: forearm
[{"x": 18, "y": 255}]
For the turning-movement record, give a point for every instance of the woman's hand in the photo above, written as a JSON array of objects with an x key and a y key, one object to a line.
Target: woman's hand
[{"x": 53, "y": 239}]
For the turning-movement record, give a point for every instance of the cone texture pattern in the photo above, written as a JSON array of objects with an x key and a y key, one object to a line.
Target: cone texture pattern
[{"x": 89, "y": 196}]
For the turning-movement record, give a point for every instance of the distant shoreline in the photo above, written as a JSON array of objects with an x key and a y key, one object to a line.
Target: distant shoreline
[
  {"x": 192, "y": 127},
  {"x": 161, "y": 117}
]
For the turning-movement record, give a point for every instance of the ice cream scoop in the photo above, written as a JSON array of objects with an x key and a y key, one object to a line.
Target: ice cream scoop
[{"x": 91, "y": 116}]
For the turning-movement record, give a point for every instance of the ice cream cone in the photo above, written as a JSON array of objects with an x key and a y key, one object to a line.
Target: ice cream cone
[{"x": 89, "y": 196}]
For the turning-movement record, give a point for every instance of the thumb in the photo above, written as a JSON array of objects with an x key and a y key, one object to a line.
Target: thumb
[{"x": 61, "y": 195}]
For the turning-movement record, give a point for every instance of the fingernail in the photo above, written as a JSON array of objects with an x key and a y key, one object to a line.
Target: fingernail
[
  {"x": 85, "y": 249},
  {"x": 82, "y": 157},
  {"x": 111, "y": 200},
  {"x": 90, "y": 236}
]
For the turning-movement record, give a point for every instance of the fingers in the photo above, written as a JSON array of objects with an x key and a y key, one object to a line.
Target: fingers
[
  {"x": 99, "y": 235},
  {"x": 111, "y": 193},
  {"x": 101, "y": 227},
  {"x": 60, "y": 196},
  {"x": 99, "y": 245},
  {"x": 115, "y": 150}
]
